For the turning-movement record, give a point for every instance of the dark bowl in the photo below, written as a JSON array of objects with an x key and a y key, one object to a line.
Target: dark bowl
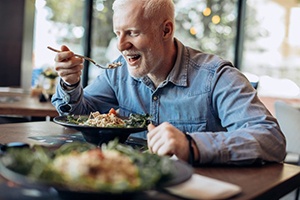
[{"x": 99, "y": 135}]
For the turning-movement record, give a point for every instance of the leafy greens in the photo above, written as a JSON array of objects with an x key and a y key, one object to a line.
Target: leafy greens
[{"x": 36, "y": 163}]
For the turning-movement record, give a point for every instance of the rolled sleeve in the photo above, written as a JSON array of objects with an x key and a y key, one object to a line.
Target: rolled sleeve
[{"x": 65, "y": 100}]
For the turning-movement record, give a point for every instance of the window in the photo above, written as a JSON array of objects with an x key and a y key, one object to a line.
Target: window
[
  {"x": 272, "y": 42},
  {"x": 208, "y": 25},
  {"x": 57, "y": 22},
  {"x": 103, "y": 43}
]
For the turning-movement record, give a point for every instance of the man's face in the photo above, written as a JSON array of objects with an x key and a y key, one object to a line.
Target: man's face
[{"x": 140, "y": 44}]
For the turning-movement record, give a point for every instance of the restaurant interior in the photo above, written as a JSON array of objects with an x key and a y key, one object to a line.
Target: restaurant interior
[{"x": 261, "y": 38}]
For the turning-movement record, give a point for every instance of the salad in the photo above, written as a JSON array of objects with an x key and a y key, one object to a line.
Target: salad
[
  {"x": 111, "y": 119},
  {"x": 113, "y": 168}
]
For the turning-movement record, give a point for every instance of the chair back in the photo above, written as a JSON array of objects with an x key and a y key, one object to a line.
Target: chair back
[{"x": 288, "y": 118}]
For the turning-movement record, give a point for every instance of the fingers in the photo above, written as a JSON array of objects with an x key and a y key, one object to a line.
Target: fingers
[
  {"x": 69, "y": 72},
  {"x": 67, "y": 56},
  {"x": 150, "y": 140},
  {"x": 72, "y": 63},
  {"x": 67, "y": 66},
  {"x": 150, "y": 127},
  {"x": 64, "y": 48},
  {"x": 160, "y": 139},
  {"x": 163, "y": 148},
  {"x": 166, "y": 139},
  {"x": 63, "y": 56}
]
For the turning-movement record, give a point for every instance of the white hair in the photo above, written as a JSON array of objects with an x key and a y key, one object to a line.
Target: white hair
[{"x": 160, "y": 9}]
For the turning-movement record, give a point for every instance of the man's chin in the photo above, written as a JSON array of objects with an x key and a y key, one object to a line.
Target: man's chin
[
  {"x": 135, "y": 75},
  {"x": 133, "y": 67},
  {"x": 133, "y": 71}
]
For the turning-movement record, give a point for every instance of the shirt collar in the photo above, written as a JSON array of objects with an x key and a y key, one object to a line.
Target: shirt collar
[{"x": 178, "y": 74}]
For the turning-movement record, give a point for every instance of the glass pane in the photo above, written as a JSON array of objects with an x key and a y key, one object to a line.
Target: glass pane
[
  {"x": 206, "y": 25},
  {"x": 104, "y": 48},
  {"x": 272, "y": 42},
  {"x": 57, "y": 22}
]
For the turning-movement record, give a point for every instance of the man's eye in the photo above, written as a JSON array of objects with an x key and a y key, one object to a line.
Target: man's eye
[{"x": 134, "y": 34}]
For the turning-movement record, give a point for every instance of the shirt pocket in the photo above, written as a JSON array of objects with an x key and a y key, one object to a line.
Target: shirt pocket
[{"x": 190, "y": 126}]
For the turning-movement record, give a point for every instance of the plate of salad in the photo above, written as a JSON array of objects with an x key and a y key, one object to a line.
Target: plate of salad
[
  {"x": 99, "y": 128},
  {"x": 86, "y": 170}
]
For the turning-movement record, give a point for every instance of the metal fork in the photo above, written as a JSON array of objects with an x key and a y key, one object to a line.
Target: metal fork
[{"x": 109, "y": 66}]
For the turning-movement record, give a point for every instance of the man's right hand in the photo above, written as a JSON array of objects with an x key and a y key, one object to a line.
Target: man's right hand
[{"x": 68, "y": 66}]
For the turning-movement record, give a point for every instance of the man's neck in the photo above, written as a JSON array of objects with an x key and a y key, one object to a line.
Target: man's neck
[{"x": 162, "y": 74}]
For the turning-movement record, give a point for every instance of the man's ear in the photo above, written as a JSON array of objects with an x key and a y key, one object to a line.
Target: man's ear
[{"x": 168, "y": 29}]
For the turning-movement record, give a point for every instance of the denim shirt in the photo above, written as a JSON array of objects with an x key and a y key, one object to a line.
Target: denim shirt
[{"x": 203, "y": 95}]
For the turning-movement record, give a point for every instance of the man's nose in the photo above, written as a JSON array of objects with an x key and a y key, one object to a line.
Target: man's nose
[{"x": 123, "y": 43}]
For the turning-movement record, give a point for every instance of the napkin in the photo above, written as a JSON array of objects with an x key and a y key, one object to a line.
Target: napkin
[{"x": 202, "y": 187}]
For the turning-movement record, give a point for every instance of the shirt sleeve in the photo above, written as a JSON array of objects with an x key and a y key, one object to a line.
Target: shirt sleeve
[
  {"x": 253, "y": 134},
  {"x": 85, "y": 100},
  {"x": 65, "y": 100}
]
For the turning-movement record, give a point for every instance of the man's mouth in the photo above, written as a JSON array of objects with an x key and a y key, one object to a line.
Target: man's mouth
[{"x": 133, "y": 58}]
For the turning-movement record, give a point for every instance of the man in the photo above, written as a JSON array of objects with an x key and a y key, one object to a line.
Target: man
[{"x": 203, "y": 109}]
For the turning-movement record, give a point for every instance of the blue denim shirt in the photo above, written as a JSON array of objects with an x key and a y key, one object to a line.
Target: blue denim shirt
[{"x": 203, "y": 95}]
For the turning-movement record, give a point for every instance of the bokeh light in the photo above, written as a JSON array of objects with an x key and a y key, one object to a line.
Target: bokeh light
[
  {"x": 206, "y": 12},
  {"x": 216, "y": 19}
]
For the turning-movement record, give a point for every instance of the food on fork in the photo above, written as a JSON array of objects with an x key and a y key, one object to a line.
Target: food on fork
[
  {"x": 109, "y": 66},
  {"x": 114, "y": 65}
]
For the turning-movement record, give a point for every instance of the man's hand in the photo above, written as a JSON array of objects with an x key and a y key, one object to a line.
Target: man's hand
[
  {"x": 68, "y": 66},
  {"x": 166, "y": 139}
]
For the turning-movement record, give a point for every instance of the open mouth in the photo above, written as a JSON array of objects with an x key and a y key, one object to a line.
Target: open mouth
[{"x": 133, "y": 58}]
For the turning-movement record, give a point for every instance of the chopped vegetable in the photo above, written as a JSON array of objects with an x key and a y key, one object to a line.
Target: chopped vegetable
[{"x": 111, "y": 120}]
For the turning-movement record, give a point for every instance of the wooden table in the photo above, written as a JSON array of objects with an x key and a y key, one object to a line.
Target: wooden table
[
  {"x": 269, "y": 102},
  {"x": 21, "y": 104},
  {"x": 271, "y": 181}
]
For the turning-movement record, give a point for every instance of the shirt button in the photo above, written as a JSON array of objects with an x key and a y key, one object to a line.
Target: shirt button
[
  {"x": 155, "y": 98},
  {"x": 66, "y": 98}
]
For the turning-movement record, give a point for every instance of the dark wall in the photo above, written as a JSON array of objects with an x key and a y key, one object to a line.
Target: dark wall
[{"x": 11, "y": 35}]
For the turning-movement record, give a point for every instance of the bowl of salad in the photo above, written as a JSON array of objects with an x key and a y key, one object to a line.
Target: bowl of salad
[
  {"x": 84, "y": 171},
  {"x": 99, "y": 128}
]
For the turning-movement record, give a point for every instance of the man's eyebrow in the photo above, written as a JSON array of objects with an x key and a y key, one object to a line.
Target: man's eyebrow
[
  {"x": 125, "y": 30},
  {"x": 131, "y": 29}
]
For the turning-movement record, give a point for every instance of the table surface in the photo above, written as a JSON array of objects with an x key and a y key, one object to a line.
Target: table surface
[
  {"x": 21, "y": 104},
  {"x": 271, "y": 181},
  {"x": 270, "y": 101}
]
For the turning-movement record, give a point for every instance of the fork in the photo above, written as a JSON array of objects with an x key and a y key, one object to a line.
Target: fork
[{"x": 109, "y": 66}]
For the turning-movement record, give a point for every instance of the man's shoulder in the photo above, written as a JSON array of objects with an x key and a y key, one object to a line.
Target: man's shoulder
[{"x": 206, "y": 61}]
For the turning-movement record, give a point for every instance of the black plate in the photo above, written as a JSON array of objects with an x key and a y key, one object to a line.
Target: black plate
[
  {"x": 99, "y": 135},
  {"x": 181, "y": 173}
]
